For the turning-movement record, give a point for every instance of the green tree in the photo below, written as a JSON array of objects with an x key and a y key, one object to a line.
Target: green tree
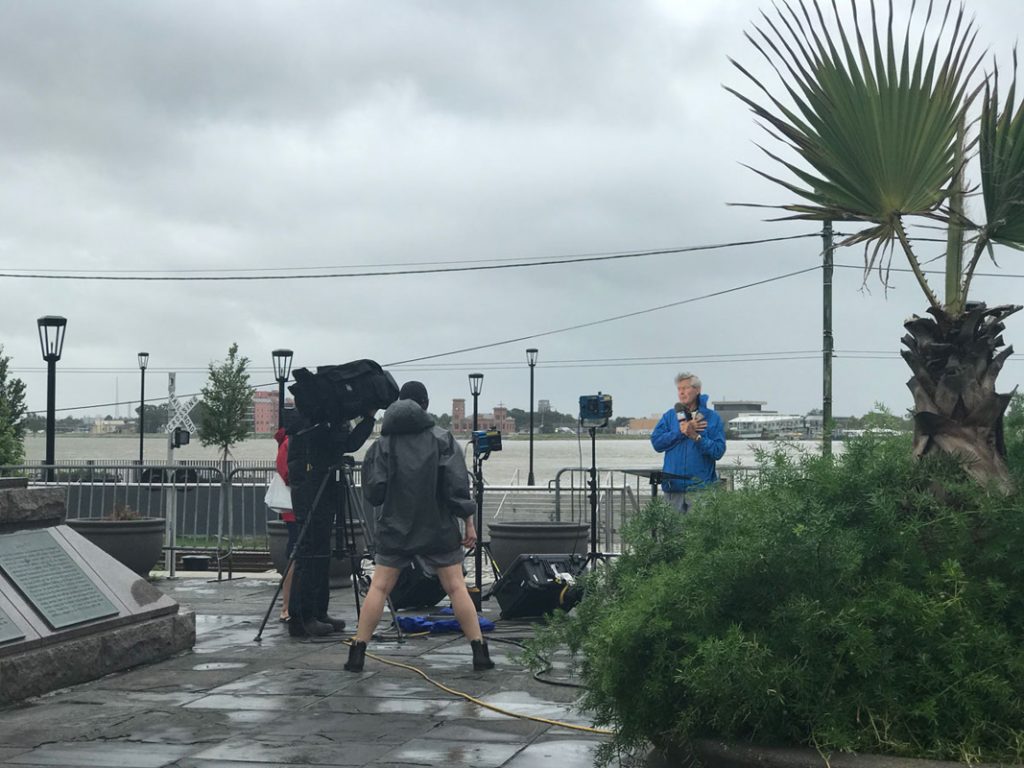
[
  {"x": 878, "y": 119},
  {"x": 156, "y": 417},
  {"x": 12, "y": 414},
  {"x": 881, "y": 417},
  {"x": 226, "y": 403}
]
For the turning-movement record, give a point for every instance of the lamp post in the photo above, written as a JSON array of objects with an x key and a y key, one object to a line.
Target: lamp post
[
  {"x": 282, "y": 370},
  {"x": 476, "y": 383},
  {"x": 531, "y": 359},
  {"x": 51, "y": 340},
  {"x": 143, "y": 362}
]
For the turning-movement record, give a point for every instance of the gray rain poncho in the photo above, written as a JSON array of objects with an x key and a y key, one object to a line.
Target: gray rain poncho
[{"x": 416, "y": 475}]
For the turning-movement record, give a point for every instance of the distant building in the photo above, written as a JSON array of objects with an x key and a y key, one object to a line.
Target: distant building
[
  {"x": 107, "y": 426},
  {"x": 264, "y": 410},
  {"x": 730, "y": 409},
  {"x": 498, "y": 419},
  {"x": 639, "y": 426},
  {"x": 753, "y": 426}
]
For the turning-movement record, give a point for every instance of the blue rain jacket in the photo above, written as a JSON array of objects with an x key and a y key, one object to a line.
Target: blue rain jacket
[{"x": 684, "y": 456}]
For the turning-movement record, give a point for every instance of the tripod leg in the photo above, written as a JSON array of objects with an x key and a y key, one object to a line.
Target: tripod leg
[
  {"x": 291, "y": 560},
  {"x": 355, "y": 558},
  {"x": 394, "y": 619},
  {"x": 273, "y": 601}
]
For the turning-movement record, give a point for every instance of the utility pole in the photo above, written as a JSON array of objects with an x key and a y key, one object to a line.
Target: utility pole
[{"x": 826, "y": 346}]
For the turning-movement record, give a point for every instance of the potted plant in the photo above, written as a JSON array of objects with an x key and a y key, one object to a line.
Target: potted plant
[{"x": 125, "y": 535}]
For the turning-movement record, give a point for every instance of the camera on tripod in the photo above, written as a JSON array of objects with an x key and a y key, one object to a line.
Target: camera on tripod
[
  {"x": 338, "y": 393},
  {"x": 485, "y": 441},
  {"x": 595, "y": 410}
]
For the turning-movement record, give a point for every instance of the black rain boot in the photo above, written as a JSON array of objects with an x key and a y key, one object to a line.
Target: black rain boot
[
  {"x": 356, "y": 656},
  {"x": 338, "y": 625},
  {"x": 481, "y": 656},
  {"x": 316, "y": 628}
]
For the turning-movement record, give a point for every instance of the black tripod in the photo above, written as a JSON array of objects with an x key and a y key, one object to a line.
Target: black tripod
[{"x": 344, "y": 538}]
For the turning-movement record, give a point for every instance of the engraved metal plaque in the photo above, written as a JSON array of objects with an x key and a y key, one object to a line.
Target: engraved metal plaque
[
  {"x": 8, "y": 629},
  {"x": 53, "y": 584}
]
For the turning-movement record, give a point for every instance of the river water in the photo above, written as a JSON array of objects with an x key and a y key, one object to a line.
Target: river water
[{"x": 510, "y": 466}]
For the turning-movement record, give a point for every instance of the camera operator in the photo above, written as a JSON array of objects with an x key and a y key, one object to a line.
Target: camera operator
[
  {"x": 692, "y": 437},
  {"x": 314, "y": 453},
  {"x": 416, "y": 474}
]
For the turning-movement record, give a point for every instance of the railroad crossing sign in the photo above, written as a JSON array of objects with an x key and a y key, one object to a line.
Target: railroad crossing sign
[{"x": 178, "y": 412}]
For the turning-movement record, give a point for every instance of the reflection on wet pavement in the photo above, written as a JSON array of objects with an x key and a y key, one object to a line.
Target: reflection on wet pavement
[{"x": 287, "y": 702}]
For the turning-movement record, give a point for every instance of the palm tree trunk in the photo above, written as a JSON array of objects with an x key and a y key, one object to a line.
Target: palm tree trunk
[{"x": 956, "y": 408}]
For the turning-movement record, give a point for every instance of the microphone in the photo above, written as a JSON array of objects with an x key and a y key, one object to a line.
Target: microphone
[{"x": 682, "y": 412}]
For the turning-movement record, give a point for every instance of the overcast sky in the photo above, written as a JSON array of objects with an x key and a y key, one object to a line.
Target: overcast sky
[{"x": 229, "y": 138}]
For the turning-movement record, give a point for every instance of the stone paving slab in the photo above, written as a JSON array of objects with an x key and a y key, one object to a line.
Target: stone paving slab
[{"x": 233, "y": 702}]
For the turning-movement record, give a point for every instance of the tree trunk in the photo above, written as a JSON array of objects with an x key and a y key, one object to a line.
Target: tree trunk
[{"x": 956, "y": 407}]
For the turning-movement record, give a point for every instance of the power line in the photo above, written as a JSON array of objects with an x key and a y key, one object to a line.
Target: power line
[
  {"x": 69, "y": 275},
  {"x": 376, "y": 265},
  {"x": 609, "y": 319}
]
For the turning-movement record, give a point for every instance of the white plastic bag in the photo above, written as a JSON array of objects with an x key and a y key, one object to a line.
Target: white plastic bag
[{"x": 279, "y": 495}]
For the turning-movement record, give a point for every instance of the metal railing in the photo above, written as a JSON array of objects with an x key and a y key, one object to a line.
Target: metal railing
[{"x": 219, "y": 510}]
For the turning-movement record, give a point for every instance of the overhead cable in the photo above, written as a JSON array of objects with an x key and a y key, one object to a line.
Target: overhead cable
[{"x": 70, "y": 275}]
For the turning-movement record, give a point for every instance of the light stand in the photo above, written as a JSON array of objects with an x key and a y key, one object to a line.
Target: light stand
[
  {"x": 476, "y": 383},
  {"x": 593, "y": 555},
  {"x": 51, "y": 340},
  {"x": 143, "y": 363},
  {"x": 480, "y": 455},
  {"x": 595, "y": 411},
  {"x": 531, "y": 359},
  {"x": 282, "y": 370}
]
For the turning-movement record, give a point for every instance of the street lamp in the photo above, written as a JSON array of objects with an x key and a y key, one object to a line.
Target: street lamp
[
  {"x": 51, "y": 340},
  {"x": 476, "y": 383},
  {"x": 282, "y": 370},
  {"x": 143, "y": 362},
  {"x": 531, "y": 359}
]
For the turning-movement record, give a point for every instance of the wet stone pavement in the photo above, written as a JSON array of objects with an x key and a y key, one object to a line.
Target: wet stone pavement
[{"x": 288, "y": 702}]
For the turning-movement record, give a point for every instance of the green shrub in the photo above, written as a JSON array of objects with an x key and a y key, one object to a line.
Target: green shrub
[{"x": 872, "y": 604}]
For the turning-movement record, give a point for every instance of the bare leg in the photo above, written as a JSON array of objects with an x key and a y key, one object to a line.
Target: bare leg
[
  {"x": 451, "y": 579},
  {"x": 286, "y": 590},
  {"x": 384, "y": 579}
]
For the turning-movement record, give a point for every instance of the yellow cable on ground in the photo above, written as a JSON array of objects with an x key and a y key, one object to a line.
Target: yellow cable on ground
[{"x": 484, "y": 704}]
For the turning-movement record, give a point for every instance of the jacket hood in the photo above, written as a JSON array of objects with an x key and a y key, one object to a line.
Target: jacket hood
[
  {"x": 404, "y": 417},
  {"x": 280, "y": 435},
  {"x": 702, "y": 401}
]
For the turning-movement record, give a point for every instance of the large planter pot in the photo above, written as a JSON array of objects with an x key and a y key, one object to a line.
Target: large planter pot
[
  {"x": 509, "y": 540},
  {"x": 137, "y": 544},
  {"x": 341, "y": 569}
]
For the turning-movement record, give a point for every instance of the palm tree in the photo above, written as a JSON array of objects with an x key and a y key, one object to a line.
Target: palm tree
[{"x": 882, "y": 121}]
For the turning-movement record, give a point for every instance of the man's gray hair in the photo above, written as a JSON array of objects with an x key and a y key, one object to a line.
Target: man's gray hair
[{"x": 692, "y": 377}]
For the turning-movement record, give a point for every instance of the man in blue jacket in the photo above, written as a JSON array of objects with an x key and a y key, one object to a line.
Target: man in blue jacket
[{"x": 692, "y": 437}]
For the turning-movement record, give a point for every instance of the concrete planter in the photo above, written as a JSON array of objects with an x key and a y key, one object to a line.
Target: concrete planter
[
  {"x": 341, "y": 569},
  {"x": 137, "y": 544},
  {"x": 509, "y": 540}
]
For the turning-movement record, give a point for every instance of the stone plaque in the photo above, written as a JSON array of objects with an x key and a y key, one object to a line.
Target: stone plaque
[
  {"x": 50, "y": 580},
  {"x": 8, "y": 629}
]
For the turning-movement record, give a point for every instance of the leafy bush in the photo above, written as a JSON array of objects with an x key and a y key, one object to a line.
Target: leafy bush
[{"x": 870, "y": 603}]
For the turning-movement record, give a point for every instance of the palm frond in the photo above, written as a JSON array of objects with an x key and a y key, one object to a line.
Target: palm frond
[
  {"x": 874, "y": 128},
  {"x": 1001, "y": 155}
]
